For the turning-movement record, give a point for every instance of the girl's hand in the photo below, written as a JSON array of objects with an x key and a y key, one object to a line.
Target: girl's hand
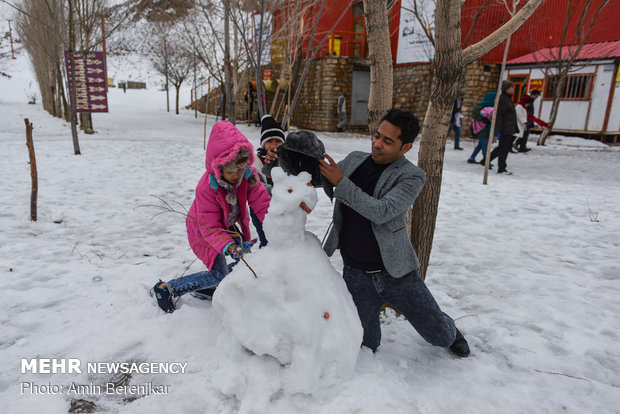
[{"x": 239, "y": 250}]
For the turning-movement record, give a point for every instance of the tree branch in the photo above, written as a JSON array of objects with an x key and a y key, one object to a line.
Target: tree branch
[{"x": 476, "y": 51}]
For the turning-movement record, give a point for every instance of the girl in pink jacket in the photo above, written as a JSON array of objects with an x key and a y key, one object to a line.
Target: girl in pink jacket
[{"x": 223, "y": 194}]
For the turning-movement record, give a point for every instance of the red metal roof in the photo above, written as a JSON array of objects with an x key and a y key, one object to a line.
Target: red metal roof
[{"x": 600, "y": 50}]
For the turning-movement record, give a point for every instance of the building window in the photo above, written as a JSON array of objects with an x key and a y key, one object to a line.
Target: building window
[
  {"x": 576, "y": 87},
  {"x": 520, "y": 82}
]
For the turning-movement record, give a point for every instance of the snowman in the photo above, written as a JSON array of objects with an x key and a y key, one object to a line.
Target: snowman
[{"x": 290, "y": 325}]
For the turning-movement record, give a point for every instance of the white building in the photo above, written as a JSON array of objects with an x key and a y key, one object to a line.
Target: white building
[{"x": 590, "y": 102}]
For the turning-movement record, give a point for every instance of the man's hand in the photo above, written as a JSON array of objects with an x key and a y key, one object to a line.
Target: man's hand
[
  {"x": 331, "y": 170},
  {"x": 271, "y": 156}
]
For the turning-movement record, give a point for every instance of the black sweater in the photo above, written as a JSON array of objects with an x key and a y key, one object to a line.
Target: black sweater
[{"x": 358, "y": 245}]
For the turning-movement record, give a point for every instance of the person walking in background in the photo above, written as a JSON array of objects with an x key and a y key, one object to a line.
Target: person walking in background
[
  {"x": 342, "y": 111},
  {"x": 481, "y": 117},
  {"x": 505, "y": 126},
  {"x": 455, "y": 120},
  {"x": 527, "y": 103}
]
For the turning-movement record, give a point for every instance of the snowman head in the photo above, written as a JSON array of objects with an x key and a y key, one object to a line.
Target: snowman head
[{"x": 292, "y": 194}]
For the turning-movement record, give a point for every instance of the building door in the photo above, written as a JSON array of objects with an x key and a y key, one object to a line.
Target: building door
[
  {"x": 520, "y": 82},
  {"x": 359, "y": 97}
]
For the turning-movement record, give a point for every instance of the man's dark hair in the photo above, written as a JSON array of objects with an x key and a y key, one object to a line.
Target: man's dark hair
[
  {"x": 535, "y": 92},
  {"x": 406, "y": 121}
]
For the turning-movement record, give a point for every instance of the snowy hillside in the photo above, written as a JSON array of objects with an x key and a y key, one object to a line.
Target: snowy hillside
[{"x": 528, "y": 267}]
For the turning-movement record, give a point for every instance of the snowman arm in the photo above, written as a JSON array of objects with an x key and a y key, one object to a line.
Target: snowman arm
[{"x": 381, "y": 210}]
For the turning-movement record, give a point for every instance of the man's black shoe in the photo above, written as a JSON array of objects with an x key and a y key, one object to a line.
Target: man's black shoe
[
  {"x": 460, "y": 347},
  {"x": 505, "y": 172},
  {"x": 490, "y": 164},
  {"x": 471, "y": 161}
]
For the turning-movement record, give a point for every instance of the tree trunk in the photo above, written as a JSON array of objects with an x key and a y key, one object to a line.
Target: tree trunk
[
  {"x": 555, "y": 106},
  {"x": 74, "y": 132},
  {"x": 380, "y": 55},
  {"x": 167, "y": 94},
  {"x": 448, "y": 69},
  {"x": 450, "y": 62},
  {"x": 230, "y": 99},
  {"x": 178, "y": 89}
]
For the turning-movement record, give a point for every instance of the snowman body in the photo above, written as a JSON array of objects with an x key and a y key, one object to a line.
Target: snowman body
[{"x": 292, "y": 328}]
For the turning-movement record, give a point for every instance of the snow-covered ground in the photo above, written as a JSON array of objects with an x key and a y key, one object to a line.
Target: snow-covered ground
[{"x": 527, "y": 265}]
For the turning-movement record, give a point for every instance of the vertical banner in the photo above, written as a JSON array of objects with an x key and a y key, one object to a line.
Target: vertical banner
[
  {"x": 90, "y": 81},
  {"x": 413, "y": 44}
]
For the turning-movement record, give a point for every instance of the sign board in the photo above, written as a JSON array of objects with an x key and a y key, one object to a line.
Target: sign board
[
  {"x": 267, "y": 74},
  {"x": 536, "y": 84},
  {"x": 90, "y": 81},
  {"x": 413, "y": 44}
]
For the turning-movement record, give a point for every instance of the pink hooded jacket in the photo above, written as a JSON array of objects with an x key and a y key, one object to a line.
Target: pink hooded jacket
[{"x": 207, "y": 218}]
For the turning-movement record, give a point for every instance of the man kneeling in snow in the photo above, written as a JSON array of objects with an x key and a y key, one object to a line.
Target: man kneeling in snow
[{"x": 373, "y": 193}]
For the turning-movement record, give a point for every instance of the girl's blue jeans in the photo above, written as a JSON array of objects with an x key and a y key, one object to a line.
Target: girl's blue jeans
[
  {"x": 408, "y": 294},
  {"x": 482, "y": 146},
  {"x": 201, "y": 280}
]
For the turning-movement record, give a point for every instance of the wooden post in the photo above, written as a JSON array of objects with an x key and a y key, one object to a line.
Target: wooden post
[
  {"x": 487, "y": 159},
  {"x": 33, "y": 171}
]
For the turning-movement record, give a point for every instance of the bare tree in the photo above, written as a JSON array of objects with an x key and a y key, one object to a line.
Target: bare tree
[
  {"x": 48, "y": 28},
  {"x": 450, "y": 62},
  {"x": 39, "y": 24},
  {"x": 171, "y": 58},
  {"x": 581, "y": 15},
  {"x": 256, "y": 43},
  {"x": 380, "y": 55},
  {"x": 217, "y": 46}
]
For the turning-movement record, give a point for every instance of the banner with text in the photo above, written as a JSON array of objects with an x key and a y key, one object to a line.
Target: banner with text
[
  {"x": 90, "y": 81},
  {"x": 413, "y": 43}
]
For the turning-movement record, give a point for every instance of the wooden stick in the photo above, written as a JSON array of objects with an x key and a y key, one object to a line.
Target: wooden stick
[{"x": 33, "y": 171}]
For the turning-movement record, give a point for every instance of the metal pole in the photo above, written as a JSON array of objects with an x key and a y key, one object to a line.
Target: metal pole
[
  {"x": 11, "y": 37},
  {"x": 105, "y": 54}
]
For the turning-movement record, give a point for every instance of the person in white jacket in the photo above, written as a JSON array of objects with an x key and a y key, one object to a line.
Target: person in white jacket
[{"x": 521, "y": 120}]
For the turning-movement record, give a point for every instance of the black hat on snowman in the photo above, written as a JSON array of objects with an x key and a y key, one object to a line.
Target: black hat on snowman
[
  {"x": 302, "y": 151},
  {"x": 270, "y": 129}
]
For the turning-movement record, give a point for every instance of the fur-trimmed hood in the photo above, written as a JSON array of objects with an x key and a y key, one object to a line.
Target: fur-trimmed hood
[{"x": 224, "y": 144}]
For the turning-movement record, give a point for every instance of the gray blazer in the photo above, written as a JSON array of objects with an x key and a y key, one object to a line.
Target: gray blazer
[{"x": 395, "y": 192}]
